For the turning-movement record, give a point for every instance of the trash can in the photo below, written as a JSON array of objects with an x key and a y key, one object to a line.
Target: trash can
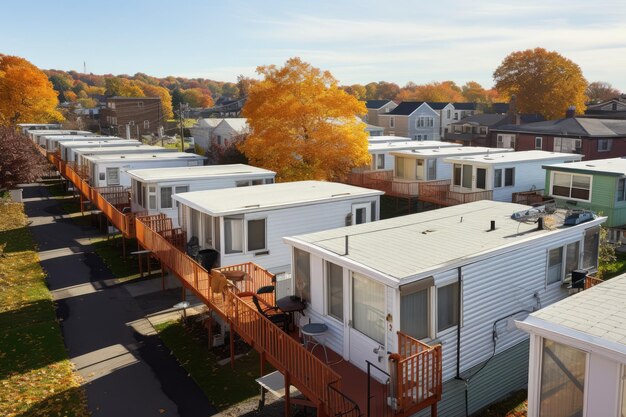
[
  {"x": 207, "y": 258},
  {"x": 578, "y": 278}
]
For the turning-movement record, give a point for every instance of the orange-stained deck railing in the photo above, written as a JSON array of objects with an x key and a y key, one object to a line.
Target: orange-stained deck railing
[
  {"x": 418, "y": 375},
  {"x": 591, "y": 281},
  {"x": 305, "y": 371},
  {"x": 438, "y": 192}
]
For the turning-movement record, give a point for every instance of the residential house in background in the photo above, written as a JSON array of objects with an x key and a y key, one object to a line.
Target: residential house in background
[
  {"x": 375, "y": 108},
  {"x": 374, "y": 131},
  {"x": 110, "y": 169},
  {"x": 593, "y": 138},
  {"x": 229, "y": 129},
  {"x": 202, "y": 131},
  {"x": 609, "y": 109},
  {"x": 413, "y": 119},
  {"x": 137, "y": 115},
  {"x": 599, "y": 186},
  {"x": 445, "y": 111},
  {"x": 477, "y": 130},
  {"x": 494, "y": 176},
  {"x": 455, "y": 277},
  {"x": 247, "y": 224},
  {"x": 152, "y": 189},
  {"x": 577, "y": 363}
]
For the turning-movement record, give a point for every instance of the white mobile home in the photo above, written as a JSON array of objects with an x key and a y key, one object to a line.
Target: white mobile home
[
  {"x": 67, "y": 148},
  {"x": 51, "y": 143},
  {"x": 504, "y": 173},
  {"x": 25, "y": 127},
  {"x": 111, "y": 169},
  {"x": 153, "y": 188},
  {"x": 247, "y": 224},
  {"x": 381, "y": 152},
  {"x": 456, "y": 276},
  {"x": 80, "y": 153},
  {"x": 36, "y": 135},
  {"x": 387, "y": 138},
  {"x": 578, "y": 354}
]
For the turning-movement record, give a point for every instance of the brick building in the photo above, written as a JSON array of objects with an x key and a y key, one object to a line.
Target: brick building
[
  {"x": 142, "y": 115},
  {"x": 594, "y": 138}
]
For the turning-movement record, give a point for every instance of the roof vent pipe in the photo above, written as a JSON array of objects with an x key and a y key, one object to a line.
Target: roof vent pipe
[
  {"x": 540, "y": 223},
  {"x": 346, "y": 251},
  {"x": 493, "y": 226}
]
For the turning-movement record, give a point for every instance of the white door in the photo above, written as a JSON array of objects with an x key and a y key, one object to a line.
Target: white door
[{"x": 367, "y": 322}]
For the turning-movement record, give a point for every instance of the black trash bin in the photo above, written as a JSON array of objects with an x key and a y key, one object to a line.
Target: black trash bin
[{"x": 207, "y": 258}]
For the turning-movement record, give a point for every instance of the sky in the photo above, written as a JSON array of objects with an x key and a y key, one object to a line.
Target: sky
[{"x": 357, "y": 41}]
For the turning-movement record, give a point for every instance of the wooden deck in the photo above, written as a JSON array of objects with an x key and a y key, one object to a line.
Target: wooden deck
[
  {"x": 417, "y": 366},
  {"x": 438, "y": 192}
]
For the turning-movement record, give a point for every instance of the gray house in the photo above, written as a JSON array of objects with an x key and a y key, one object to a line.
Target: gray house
[{"x": 414, "y": 119}]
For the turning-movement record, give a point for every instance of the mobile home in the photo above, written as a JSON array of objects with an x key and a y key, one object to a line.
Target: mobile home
[
  {"x": 153, "y": 188},
  {"x": 412, "y": 167},
  {"x": 457, "y": 276},
  {"x": 111, "y": 169},
  {"x": 247, "y": 224},
  {"x": 25, "y": 127},
  {"x": 381, "y": 152},
  {"x": 79, "y": 153},
  {"x": 505, "y": 173},
  {"x": 67, "y": 147},
  {"x": 36, "y": 135},
  {"x": 578, "y": 354},
  {"x": 51, "y": 143}
]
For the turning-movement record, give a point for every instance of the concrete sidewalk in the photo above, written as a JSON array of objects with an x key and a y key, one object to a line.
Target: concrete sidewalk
[{"x": 126, "y": 368}]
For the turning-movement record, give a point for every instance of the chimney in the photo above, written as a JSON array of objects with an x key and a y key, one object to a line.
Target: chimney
[
  {"x": 571, "y": 112},
  {"x": 512, "y": 105},
  {"x": 518, "y": 119}
]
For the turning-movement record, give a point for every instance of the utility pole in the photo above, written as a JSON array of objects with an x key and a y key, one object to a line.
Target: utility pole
[{"x": 182, "y": 129}]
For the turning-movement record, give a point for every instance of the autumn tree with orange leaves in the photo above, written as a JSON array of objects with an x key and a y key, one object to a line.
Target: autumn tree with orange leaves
[
  {"x": 543, "y": 82},
  {"x": 303, "y": 126},
  {"x": 26, "y": 94}
]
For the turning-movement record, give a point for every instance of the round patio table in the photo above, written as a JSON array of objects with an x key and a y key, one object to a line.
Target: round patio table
[
  {"x": 290, "y": 305},
  {"x": 315, "y": 333}
]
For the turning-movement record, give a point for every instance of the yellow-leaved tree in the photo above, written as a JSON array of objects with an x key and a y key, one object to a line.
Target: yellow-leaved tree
[
  {"x": 302, "y": 125},
  {"x": 543, "y": 82},
  {"x": 26, "y": 94}
]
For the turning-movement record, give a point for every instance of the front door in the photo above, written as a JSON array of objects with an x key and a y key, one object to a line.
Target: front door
[{"x": 367, "y": 322}]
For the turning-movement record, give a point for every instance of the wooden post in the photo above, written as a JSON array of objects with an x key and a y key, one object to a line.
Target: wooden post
[
  {"x": 433, "y": 410},
  {"x": 149, "y": 265},
  {"x": 81, "y": 204},
  {"x": 262, "y": 364},
  {"x": 232, "y": 345},
  {"x": 184, "y": 292},
  {"x": 162, "y": 278},
  {"x": 287, "y": 395},
  {"x": 124, "y": 247}
]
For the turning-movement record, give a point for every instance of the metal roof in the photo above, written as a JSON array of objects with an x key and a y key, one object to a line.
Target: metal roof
[
  {"x": 520, "y": 156},
  {"x": 199, "y": 172},
  {"x": 572, "y": 126},
  {"x": 271, "y": 196},
  {"x": 386, "y": 138},
  {"x": 612, "y": 166},
  {"x": 118, "y": 148},
  {"x": 407, "y": 248}
]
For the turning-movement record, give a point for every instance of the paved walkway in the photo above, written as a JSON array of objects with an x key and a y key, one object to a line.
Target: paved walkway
[{"x": 127, "y": 370}]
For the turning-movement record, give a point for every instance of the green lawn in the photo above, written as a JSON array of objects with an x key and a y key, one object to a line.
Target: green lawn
[
  {"x": 222, "y": 385},
  {"x": 36, "y": 377}
]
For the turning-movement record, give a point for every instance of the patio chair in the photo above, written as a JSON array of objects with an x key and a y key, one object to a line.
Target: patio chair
[{"x": 272, "y": 314}]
